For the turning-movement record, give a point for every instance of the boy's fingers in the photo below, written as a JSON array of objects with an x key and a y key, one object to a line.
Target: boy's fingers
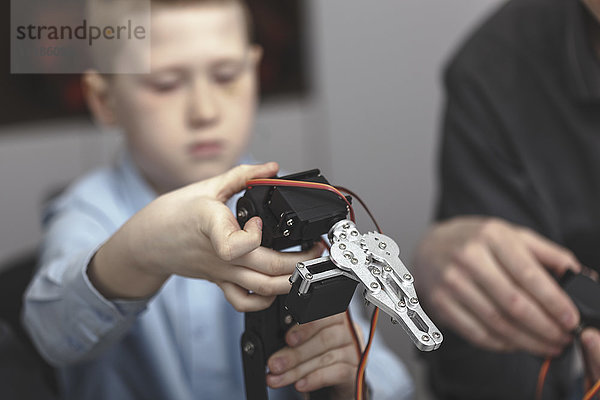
[
  {"x": 337, "y": 358},
  {"x": 331, "y": 337},
  {"x": 243, "y": 301},
  {"x": 273, "y": 263},
  {"x": 301, "y": 333},
  {"x": 332, "y": 375},
  {"x": 228, "y": 240},
  {"x": 234, "y": 180},
  {"x": 258, "y": 283}
]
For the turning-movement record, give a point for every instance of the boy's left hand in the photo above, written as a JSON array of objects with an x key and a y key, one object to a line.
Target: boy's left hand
[{"x": 320, "y": 354}]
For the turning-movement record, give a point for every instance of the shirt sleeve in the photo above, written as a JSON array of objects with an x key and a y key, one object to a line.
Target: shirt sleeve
[{"x": 66, "y": 317}]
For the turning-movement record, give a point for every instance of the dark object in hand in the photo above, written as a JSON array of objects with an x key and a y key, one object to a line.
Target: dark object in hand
[
  {"x": 292, "y": 215},
  {"x": 585, "y": 293}
]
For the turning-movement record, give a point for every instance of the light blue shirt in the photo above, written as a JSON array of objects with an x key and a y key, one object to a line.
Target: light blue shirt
[{"x": 182, "y": 344}]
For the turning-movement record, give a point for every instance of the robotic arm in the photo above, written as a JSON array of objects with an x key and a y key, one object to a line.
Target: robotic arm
[{"x": 295, "y": 212}]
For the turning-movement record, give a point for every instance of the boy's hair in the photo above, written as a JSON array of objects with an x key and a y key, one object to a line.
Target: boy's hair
[
  {"x": 105, "y": 12},
  {"x": 242, "y": 3}
]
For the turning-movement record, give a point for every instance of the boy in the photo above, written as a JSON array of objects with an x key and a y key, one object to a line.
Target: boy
[{"x": 112, "y": 304}]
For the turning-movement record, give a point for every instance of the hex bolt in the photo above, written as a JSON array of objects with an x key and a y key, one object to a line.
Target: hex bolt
[
  {"x": 290, "y": 222},
  {"x": 242, "y": 213},
  {"x": 425, "y": 338},
  {"x": 414, "y": 300},
  {"x": 309, "y": 276},
  {"x": 382, "y": 245},
  {"x": 374, "y": 285},
  {"x": 288, "y": 319},
  {"x": 249, "y": 348},
  {"x": 286, "y": 233},
  {"x": 342, "y": 246},
  {"x": 436, "y": 335},
  {"x": 407, "y": 277}
]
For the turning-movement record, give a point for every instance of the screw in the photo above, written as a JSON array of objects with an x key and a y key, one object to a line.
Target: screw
[
  {"x": 242, "y": 213},
  {"x": 394, "y": 321},
  {"x": 374, "y": 285},
  {"x": 407, "y": 277},
  {"x": 308, "y": 276},
  {"x": 343, "y": 236},
  {"x": 354, "y": 261},
  {"x": 401, "y": 304},
  {"x": 414, "y": 300},
  {"x": 382, "y": 245},
  {"x": 286, "y": 233},
  {"x": 376, "y": 271},
  {"x": 387, "y": 269},
  {"x": 249, "y": 348},
  {"x": 425, "y": 338},
  {"x": 346, "y": 225},
  {"x": 342, "y": 246},
  {"x": 290, "y": 222},
  {"x": 436, "y": 335},
  {"x": 300, "y": 265},
  {"x": 349, "y": 255},
  {"x": 354, "y": 233},
  {"x": 288, "y": 319}
]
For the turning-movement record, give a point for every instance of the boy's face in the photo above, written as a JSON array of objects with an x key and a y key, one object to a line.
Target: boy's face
[{"x": 190, "y": 118}]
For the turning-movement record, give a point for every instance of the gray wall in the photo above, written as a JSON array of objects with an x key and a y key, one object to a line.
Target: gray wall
[{"x": 370, "y": 126}]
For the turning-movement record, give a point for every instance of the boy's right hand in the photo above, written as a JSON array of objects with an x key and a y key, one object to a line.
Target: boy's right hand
[{"x": 191, "y": 232}]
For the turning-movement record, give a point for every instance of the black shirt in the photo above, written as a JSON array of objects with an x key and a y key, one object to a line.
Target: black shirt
[{"x": 521, "y": 141}]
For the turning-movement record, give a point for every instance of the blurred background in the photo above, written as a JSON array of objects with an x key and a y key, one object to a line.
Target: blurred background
[{"x": 350, "y": 87}]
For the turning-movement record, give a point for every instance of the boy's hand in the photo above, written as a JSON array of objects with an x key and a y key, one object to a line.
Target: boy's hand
[
  {"x": 191, "y": 232},
  {"x": 489, "y": 280},
  {"x": 321, "y": 353}
]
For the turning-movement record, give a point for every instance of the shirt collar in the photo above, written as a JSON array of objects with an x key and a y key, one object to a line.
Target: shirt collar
[
  {"x": 583, "y": 66},
  {"x": 134, "y": 189}
]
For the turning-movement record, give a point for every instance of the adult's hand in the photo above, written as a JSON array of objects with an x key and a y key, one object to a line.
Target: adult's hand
[
  {"x": 590, "y": 343},
  {"x": 491, "y": 281}
]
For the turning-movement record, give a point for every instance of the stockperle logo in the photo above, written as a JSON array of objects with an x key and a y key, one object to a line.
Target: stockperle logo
[{"x": 72, "y": 36}]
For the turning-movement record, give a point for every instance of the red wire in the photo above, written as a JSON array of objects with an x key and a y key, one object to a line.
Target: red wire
[
  {"x": 302, "y": 184},
  {"x": 542, "y": 378},
  {"x": 360, "y": 373},
  {"x": 593, "y": 391}
]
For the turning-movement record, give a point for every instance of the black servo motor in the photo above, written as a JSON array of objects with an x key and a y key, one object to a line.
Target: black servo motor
[{"x": 292, "y": 215}]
